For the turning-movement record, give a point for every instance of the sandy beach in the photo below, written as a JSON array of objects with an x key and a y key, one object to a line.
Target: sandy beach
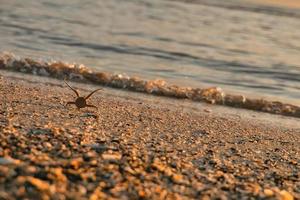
[{"x": 138, "y": 148}]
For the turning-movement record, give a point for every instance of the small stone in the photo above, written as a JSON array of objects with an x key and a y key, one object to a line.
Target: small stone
[
  {"x": 268, "y": 192},
  {"x": 7, "y": 171},
  {"x": 31, "y": 169},
  {"x": 97, "y": 194},
  {"x": 81, "y": 189},
  {"x": 207, "y": 110},
  {"x": 39, "y": 131},
  {"x": 48, "y": 145},
  {"x": 99, "y": 148},
  {"x": 57, "y": 174},
  {"x": 168, "y": 171},
  {"x": 285, "y": 195},
  {"x": 75, "y": 163},
  {"x": 158, "y": 165},
  {"x": 255, "y": 188},
  {"x": 114, "y": 156},
  {"x": 89, "y": 156},
  {"x": 93, "y": 162},
  {"x": 142, "y": 194},
  {"x": 9, "y": 161},
  {"x": 90, "y": 115},
  {"x": 129, "y": 170},
  {"x": 177, "y": 178},
  {"x": 38, "y": 183},
  {"x": 293, "y": 162}
]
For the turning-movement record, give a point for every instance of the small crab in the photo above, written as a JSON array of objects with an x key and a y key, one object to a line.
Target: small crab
[{"x": 80, "y": 102}]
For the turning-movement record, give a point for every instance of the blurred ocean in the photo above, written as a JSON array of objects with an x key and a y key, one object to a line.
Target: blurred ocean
[{"x": 237, "y": 45}]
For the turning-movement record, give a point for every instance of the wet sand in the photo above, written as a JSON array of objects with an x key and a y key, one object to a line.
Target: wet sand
[{"x": 138, "y": 148}]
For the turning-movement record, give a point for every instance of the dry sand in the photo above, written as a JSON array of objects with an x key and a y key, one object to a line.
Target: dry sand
[{"x": 136, "y": 146}]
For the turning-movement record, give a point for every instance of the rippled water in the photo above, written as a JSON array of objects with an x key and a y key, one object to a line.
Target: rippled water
[{"x": 237, "y": 46}]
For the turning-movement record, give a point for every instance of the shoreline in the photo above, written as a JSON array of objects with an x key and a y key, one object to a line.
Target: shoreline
[
  {"x": 138, "y": 147},
  {"x": 81, "y": 73}
]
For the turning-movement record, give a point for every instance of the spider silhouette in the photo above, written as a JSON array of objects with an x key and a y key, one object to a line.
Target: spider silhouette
[{"x": 80, "y": 102}]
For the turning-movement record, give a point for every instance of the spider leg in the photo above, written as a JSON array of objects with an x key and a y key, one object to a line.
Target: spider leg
[
  {"x": 91, "y": 106},
  {"x": 72, "y": 89},
  {"x": 88, "y": 96},
  {"x": 70, "y": 102}
]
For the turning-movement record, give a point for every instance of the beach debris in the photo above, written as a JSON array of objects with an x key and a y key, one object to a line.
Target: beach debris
[
  {"x": 80, "y": 102},
  {"x": 212, "y": 95}
]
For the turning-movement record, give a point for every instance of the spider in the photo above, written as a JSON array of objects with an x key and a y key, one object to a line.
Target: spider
[{"x": 80, "y": 102}]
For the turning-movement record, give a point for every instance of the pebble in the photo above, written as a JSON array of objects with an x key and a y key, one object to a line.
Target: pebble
[
  {"x": 207, "y": 110},
  {"x": 89, "y": 156},
  {"x": 39, "y": 131},
  {"x": 75, "y": 163},
  {"x": 9, "y": 161},
  {"x": 268, "y": 192},
  {"x": 177, "y": 178},
  {"x": 112, "y": 156},
  {"x": 38, "y": 183},
  {"x": 48, "y": 145},
  {"x": 285, "y": 195},
  {"x": 158, "y": 165},
  {"x": 100, "y": 148}
]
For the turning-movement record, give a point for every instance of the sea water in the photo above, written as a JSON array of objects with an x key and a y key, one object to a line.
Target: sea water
[{"x": 237, "y": 45}]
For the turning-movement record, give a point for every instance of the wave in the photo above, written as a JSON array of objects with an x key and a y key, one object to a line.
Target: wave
[
  {"x": 248, "y": 7},
  {"x": 81, "y": 73}
]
